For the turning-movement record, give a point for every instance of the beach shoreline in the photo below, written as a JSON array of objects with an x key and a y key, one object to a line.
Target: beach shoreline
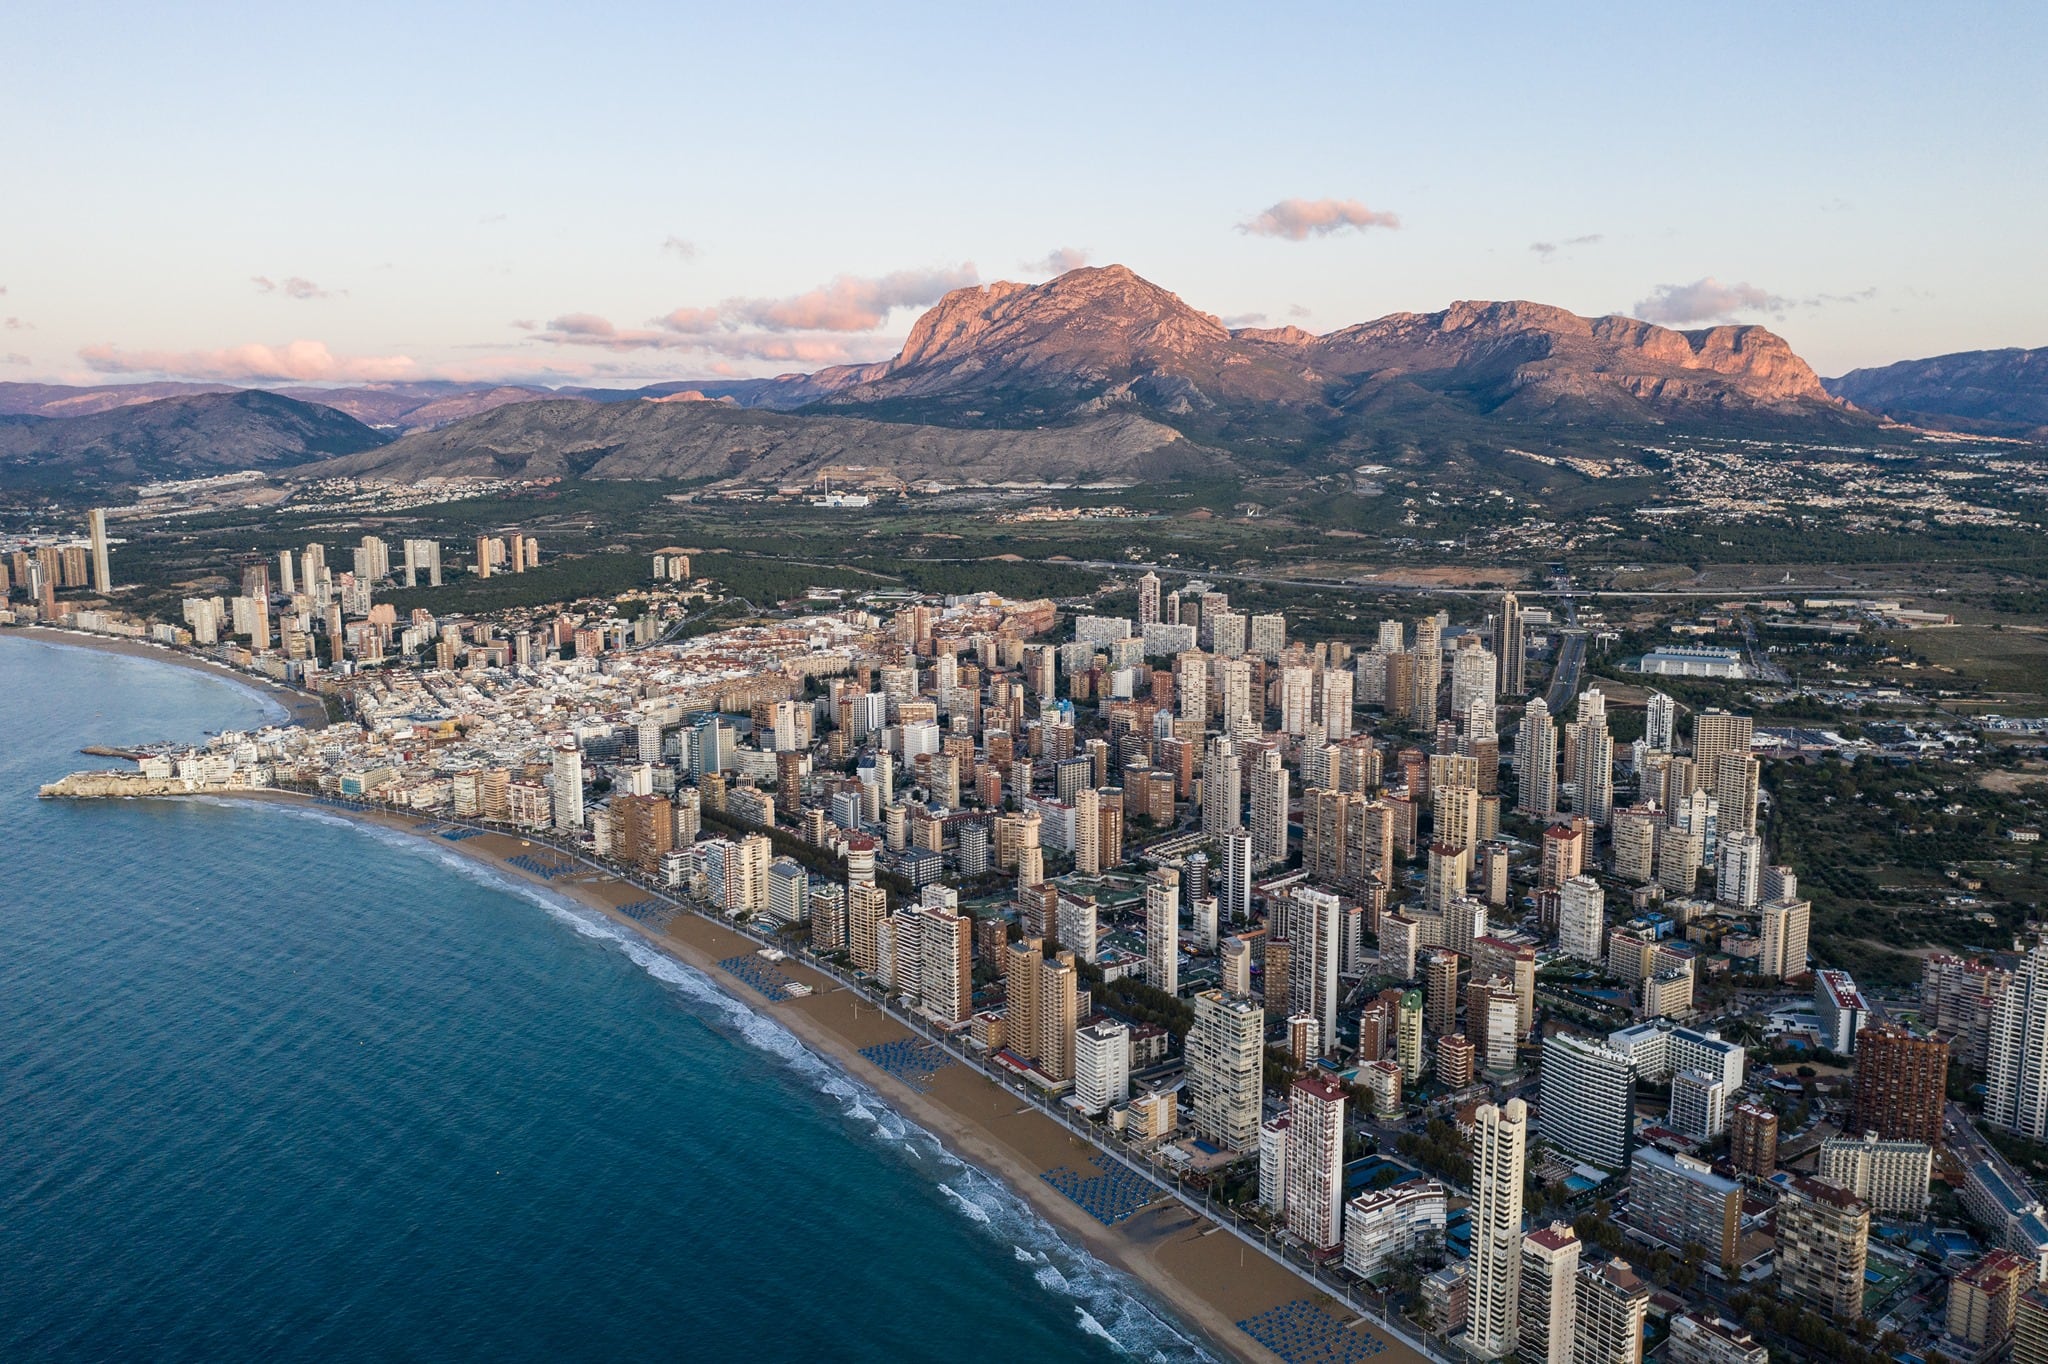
[
  {"x": 1205, "y": 1282},
  {"x": 305, "y": 709}
]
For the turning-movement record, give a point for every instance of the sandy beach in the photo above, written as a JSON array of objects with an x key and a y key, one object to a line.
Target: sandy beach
[
  {"x": 307, "y": 710},
  {"x": 1211, "y": 1282}
]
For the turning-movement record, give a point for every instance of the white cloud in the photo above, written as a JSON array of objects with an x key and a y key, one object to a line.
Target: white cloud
[
  {"x": 292, "y": 287},
  {"x": 1299, "y": 219},
  {"x": 680, "y": 248},
  {"x": 1706, "y": 300}
]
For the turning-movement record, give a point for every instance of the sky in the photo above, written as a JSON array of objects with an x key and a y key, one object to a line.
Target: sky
[{"x": 637, "y": 193}]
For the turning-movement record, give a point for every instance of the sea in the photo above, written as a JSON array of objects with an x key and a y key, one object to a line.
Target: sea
[{"x": 275, "y": 1086}]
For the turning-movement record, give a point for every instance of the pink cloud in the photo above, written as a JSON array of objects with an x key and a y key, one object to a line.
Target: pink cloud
[
  {"x": 301, "y": 361},
  {"x": 849, "y": 303},
  {"x": 1299, "y": 219}
]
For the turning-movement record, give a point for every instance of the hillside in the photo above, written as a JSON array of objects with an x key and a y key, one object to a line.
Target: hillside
[
  {"x": 701, "y": 440},
  {"x": 1998, "y": 392},
  {"x": 180, "y": 437}
]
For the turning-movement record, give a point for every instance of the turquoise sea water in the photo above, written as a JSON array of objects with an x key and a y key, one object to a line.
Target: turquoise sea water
[{"x": 276, "y": 1087}]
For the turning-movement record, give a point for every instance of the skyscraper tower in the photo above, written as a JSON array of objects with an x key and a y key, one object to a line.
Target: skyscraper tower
[
  {"x": 1508, "y": 645},
  {"x": 568, "y": 788},
  {"x": 1594, "y": 773},
  {"x": 1269, "y": 808},
  {"x": 1536, "y": 761},
  {"x": 2017, "y": 1061},
  {"x": 96, "y": 527},
  {"x": 1162, "y": 930},
  {"x": 1499, "y": 1144},
  {"x": 1148, "y": 599}
]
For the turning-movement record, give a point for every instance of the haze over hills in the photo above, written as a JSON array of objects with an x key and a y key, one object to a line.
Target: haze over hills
[
  {"x": 1995, "y": 392},
  {"x": 694, "y": 440},
  {"x": 177, "y": 437}
]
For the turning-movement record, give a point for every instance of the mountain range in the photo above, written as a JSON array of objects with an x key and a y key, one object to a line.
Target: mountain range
[
  {"x": 1097, "y": 373},
  {"x": 183, "y": 436},
  {"x": 1996, "y": 392}
]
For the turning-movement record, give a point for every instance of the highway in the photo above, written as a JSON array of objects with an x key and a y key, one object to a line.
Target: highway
[{"x": 1571, "y": 665}]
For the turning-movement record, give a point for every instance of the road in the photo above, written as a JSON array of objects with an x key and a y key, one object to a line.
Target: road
[
  {"x": 1760, "y": 663},
  {"x": 1367, "y": 587},
  {"x": 1571, "y": 666}
]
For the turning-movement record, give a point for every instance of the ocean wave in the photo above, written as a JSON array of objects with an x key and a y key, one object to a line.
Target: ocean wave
[{"x": 1108, "y": 1303}]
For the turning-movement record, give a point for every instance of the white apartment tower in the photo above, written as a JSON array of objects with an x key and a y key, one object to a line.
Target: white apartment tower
[
  {"x": 1162, "y": 930},
  {"x": 1499, "y": 1147},
  {"x": 1582, "y": 920},
  {"x": 1226, "y": 1056},
  {"x": 568, "y": 788},
  {"x": 2017, "y": 1057}
]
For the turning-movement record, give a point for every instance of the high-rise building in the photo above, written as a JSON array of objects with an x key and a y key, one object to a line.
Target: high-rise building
[
  {"x": 1659, "y": 715},
  {"x": 1715, "y": 732},
  {"x": 1315, "y": 922},
  {"x": 1738, "y": 880},
  {"x": 102, "y": 573},
  {"x": 1102, "y": 1066},
  {"x": 1269, "y": 808},
  {"x": 1408, "y": 1036},
  {"x": 1385, "y": 1226},
  {"x": 1148, "y": 599},
  {"x": 1901, "y": 1084},
  {"x": 1753, "y": 1140},
  {"x": 1783, "y": 949},
  {"x": 1593, "y": 771},
  {"x": 1499, "y": 1150},
  {"x": 1315, "y": 1163},
  {"x": 1823, "y": 1241},
  {"x": 1044, "y": 999},
  {"x": 567, "y": 788},
  {"x": 1698, "y": 1339},
  {"x": 1221, "y": 800},
  {"x": 1735, "y": 780},
  {"x": 1226, "y": 1053},
  {"x": 643, "y": 828},
  {"x": 1587, "y": 1099},
  {"x": 1582, "y": 920},
  {"x": 1983, "y": 1300},
  {"x": 934, "y": 963},
  {"x": 1550, "y": 1267},
  {"x": 1234, "y": 891},
  {"x": 2030, "y": 1328},
  {"x": 1509, "y": 647},
  {"x": 1162, "y": 929},
  {"x": 1611, "y": 1302},
  {"x": 1679, "y": 1201},
  {"x": 1891, "y": 1177},
  {"x": 1440, "y": 992},
  {"x": 2017, "y": 1051}
]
